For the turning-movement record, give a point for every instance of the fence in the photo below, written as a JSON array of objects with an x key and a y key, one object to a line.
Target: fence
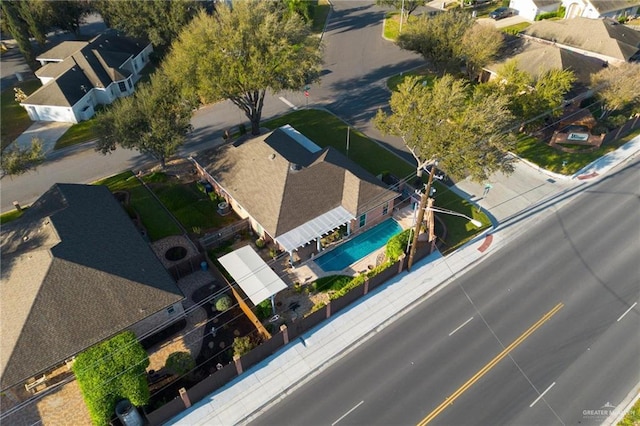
[
  {"x": 277, "y": 341},
  {"x": 623, "y": 130},
  {"x": 224, "y": 234}
]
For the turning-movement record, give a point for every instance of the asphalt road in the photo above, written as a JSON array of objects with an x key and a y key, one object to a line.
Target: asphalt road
[
  {"x": 541, "y": 332},
  {"x": 357, "y": 62}
]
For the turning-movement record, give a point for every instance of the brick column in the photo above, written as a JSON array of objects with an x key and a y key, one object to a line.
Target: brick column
[
  {"x": 328, "y": 310},
  {"x": 238, "y": 362},
  {"x": 285, "y": 333},
  {"x": 185, "y": 397}
]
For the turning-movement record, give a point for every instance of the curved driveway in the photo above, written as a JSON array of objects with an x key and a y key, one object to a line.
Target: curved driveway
[{"x": 357, "y": 63}]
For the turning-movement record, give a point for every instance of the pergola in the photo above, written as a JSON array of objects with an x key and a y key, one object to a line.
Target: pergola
[{"x": 253, "y": 275}]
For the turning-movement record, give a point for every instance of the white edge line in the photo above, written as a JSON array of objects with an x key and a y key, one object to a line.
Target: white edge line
[
  {"x": 347, "y": 413},
  {"x": 627, "y": 311},
  {"x": 289, "y": 104},
  {"x": 542, "y": 394},
  {"x": 460, "y": 326}
]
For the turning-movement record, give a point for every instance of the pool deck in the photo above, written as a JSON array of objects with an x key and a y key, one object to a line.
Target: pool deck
[{"x": 309, "y": 271}]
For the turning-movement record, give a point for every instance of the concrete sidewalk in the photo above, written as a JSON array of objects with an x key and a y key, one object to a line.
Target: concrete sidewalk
[{"x": 514, "y": 202}]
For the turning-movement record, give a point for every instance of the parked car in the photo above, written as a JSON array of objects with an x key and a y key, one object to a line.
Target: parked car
[{"x": 501, "y": 12}]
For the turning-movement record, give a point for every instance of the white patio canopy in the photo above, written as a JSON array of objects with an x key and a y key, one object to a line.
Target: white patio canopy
[
  {"x": 252, "y": 274},
  {"x": 314, "y": 228}
]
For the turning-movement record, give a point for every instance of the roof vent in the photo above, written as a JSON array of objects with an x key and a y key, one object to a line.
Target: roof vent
[
  {"x": 25, "y": 238},
  {"x": 272, "y": 157},
  {"x": 83, "y": 88},
  {"x": 295, "y": 167}
]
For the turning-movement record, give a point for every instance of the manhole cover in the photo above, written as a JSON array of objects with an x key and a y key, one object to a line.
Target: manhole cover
[{"x": 175, "y": 253}]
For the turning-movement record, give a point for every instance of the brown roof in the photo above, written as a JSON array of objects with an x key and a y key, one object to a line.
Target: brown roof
[
  {"x": 283, "y": 185},
  {"x": 607, "y": 6},
  {"x": 75, "y": 271},
  {"x": 601, "y": 36},
  {"x": 537, "y": 58}
]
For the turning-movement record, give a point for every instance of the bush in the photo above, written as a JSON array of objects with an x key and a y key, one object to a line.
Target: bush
[
  {"x": 180, "y": 363},
  {"x": 111, "y": 371},
  {"x": 260, "y": 243},
  {"x": 273, "y": 252},
  {"x": 242, "y": 129},
  {"x": 223, "y": 303},
  {"x": 397, "y": 245},
  {"x": 550, "y": 15},
  {"x": 263, "y": 310},
  {"x": 243, "y": 345},
  {"x": 331, "y": 283}
]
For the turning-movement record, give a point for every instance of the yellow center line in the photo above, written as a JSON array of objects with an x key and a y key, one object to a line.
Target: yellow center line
[{"x": 449, "y": 401}]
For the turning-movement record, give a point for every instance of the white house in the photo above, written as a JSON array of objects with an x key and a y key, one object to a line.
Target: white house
[
  {"x": 595, "y": 9},
  {"x": 529, "y": 9},
  {"x": 77, "y": 76}
]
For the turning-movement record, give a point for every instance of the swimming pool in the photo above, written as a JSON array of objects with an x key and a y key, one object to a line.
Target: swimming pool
[{"x": 360, "y": 246}]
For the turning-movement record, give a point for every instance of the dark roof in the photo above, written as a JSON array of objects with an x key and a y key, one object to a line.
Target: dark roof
[
  {"x": 75, "y": 271},
  {"x": 282, "y": 185},
  {"x": 85, "y": 64}
]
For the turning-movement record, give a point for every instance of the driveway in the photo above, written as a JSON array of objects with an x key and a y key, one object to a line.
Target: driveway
[{"x": 47, "y": 131}]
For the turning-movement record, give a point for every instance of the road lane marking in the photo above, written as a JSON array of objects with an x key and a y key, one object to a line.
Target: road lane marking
[
  {"x": 461, "y": 325},
  {"x": 347, "y": 413},
  {"x": 542, "y": 394},
  {"x": 450, "y": 400},
  {"x": 626, "y": 312},
  {"x": 289, "y": 104}
]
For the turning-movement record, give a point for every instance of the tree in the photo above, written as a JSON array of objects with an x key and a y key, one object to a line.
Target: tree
[
  {"x": 67, "y": 14},
  {"x": 155, "y": 120},
  {"x": 16, "y": 161},
  {"x": 437, "y": 38},
  {"x": 243, "y": 345},
  {"x": 409, "y": 5},
  {"x": 531, "y": 97},
  {"x": 617, "y": 87},
  {"x": 240, "y": 53},
  {"x": 464, "y": 130},
  {"x": 158, "y": 21},
  {"x": 180, "y": 363},
  {"x": 18, "y": 29},
  {"x": 36, "y": 15},
  {"x": 110, "y": 371},
  {"x": 479, "y": 45}
]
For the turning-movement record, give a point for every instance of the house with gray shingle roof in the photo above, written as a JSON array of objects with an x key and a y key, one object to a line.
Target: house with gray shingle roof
[
  {"x": 595, "y": 9},
  {"x": 604, "y": 39},
  {"x": 77, "y": 76},
  {"x": 293, "y": 191},
  {"x": 76, "y": 271}
]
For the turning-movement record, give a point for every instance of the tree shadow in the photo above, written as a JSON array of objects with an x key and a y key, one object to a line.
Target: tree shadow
[{"x": 353, "y": 18}]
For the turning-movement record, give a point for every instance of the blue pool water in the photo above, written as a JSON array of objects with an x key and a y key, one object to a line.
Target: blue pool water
[{"x": 360, "y": 246}]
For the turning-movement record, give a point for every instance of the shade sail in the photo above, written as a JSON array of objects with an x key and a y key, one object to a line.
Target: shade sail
[
  {"x": 253, "y": 275},
  {"x": 314, "y": 228}
]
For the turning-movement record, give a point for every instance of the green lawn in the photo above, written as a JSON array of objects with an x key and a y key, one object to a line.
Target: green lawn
[
  {"x": 516, "y": 29},
  {"x": 320, "y": 14},
  {"x": 13, "y": 118},
  {"x": 78, "y": 133},
  {"x": 422, "y": 72},
  {"x": 191, "y": 207},
  {"x": 565, "y": 163},
  {"x": 155, "y": 219},
  {"x": 632, "y": 418},
  {"x": 392, "y": 24},
  {"x": 11, "y": 215}
]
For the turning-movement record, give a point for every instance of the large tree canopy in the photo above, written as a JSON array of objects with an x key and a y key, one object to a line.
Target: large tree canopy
[
  {"x": 16, "y": 161},
  {"x": 240, "y": 53},
  {"x": 617, "y": 87},
  {"x": 19, "y": 29},
  {"x": 479, "y": 46},
  {"x": 111, "y": 371},
  {"x": 438, "y": 39},
  {"x": 531, "y": 97},
  {"x": 158, "y": 21},
  {"x": 154, "y": 121},
  {"x": 463, "y": 129}
]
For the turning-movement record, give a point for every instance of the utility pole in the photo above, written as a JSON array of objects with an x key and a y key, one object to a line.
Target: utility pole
[{"x": 423, "y": 205}]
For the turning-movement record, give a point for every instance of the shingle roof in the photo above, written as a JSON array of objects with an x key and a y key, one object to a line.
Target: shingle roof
[
  {"x": 601, "y": 36},
  {"x": 605, "y": 6},
  {"x": 75, "y": 271},
  {"x": 99, "y": 61},
  {"x": 536, "y": 58},
  {"x": 283, "y": 185}
]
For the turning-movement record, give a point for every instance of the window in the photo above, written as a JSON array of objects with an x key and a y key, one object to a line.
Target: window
[
  {"x": 363, "y": 220},
  {"x": 170, "y": 310},
  {"x": 122, "y": 86},
  {"x": 385, "y": 209}
]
